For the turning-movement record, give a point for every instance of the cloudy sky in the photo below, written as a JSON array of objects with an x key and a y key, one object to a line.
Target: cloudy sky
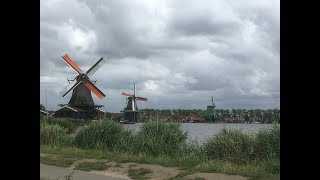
[{"x": 179, "y": 53}]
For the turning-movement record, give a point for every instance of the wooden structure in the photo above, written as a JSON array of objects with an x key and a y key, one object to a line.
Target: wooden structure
[
  {"x": 131, "y": 112},
  {"x": 81, "y": 104}
]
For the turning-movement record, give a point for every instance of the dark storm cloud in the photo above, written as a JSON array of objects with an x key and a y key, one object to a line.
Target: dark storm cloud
[{"x": 179, "y": 54}]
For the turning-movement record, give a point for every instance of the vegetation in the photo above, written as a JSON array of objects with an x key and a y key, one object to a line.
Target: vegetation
[
  {"x": 222, "y": 115},
  {"x": 160, "y": 138},
  {"x": 105, "y": 134},
  {"x": 54, "y": 135},
  {"x": 163, "y": 143},
  {"x": 139, "y": 173},
  {"x": 68, "y": 123},
  {"x": 57, "y": 161},
  {"x": 89, "y": 166},
  {"x": 230, "y": 145}
]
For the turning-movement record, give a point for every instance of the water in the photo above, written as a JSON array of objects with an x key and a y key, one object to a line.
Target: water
[{"x": 201, "y": 131}]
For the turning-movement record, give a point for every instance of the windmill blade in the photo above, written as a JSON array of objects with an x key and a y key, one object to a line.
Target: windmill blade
[
  {"x": 72, "y": 64},
  {"x": 212, "y": 101},
  {"x": 142, "y": 99},
  {"x": 126, "y": 94},
  {"x": 94, "y": 89},
  {"x": 133, "y": 105},
  {"x": 71, "y": 86},
  {"x": 95, "y": 67}
]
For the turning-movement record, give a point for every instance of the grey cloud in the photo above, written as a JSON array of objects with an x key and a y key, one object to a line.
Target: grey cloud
[{"x": 178, "y": 53}]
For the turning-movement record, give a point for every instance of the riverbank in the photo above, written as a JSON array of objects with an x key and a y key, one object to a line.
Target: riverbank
[{"x": 231, "y": 152}]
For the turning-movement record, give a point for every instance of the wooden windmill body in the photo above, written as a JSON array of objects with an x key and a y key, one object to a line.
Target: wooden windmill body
[
  {"x": 131, "y": 111},
  {"x": 81, "y": 104}
]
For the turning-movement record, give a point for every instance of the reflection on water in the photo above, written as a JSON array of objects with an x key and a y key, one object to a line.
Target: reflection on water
[{"x": 201, "y": 131}]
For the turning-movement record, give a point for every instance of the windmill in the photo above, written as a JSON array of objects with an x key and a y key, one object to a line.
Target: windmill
[
  {"x": 211, "y": 111},
  {"x": 131, "y": 111},
  {"x": 81, "y": 103}
]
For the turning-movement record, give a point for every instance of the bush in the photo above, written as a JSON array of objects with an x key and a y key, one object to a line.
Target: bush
[
  {"x": 230, "y": 145},
  {"x": 70, "y": 124},
  {"x": 101, "y": 134},
  {"x": 54, "y": 135},
  {"x": 267, "y": 143},
  {"x": 160, "y": 138}
]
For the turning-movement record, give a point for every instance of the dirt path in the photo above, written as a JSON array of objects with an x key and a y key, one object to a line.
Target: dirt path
[
  {"x": 120, "y": 171},
  {"x": 52, "y": 173}
]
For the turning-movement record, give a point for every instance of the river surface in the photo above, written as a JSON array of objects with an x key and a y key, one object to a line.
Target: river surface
[{"x": 201, "y": 131}]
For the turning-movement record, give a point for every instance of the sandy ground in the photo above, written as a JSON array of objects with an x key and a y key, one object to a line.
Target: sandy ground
[{"x": 120, "y": 170}]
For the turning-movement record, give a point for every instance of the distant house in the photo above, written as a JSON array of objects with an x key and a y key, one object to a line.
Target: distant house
[
  {"x": 193, "y": 117},
  {"x": 176, "y": 118},
  {"x": 77, "y": 113},
  {"x": 155, "y": 117},
  {"x": 44, "y": 113},
  {"x": 227, "y": 119},
  {"x": 116, "y": 116},
  {"x": 234, "y": 119}
]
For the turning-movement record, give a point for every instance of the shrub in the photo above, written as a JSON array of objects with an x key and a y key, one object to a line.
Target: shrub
[
  {"x": 101, "y": 134},
  {"x": 160, "y": 138},
  {"x": 267, "y": 143},
  {"x": 54, "y": 135},
  {"x": 70, "y": 124},
  {"x": 230, "y": 145}
]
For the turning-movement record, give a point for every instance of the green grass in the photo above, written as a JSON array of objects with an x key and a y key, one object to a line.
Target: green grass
[
  {"x": 68, "y": 123},
  {"x": 54, "y": 135},
  {"x": 230, "y": 145},
  {"x": 118, "y": 165},
  {"x": 104, "y": 134},
  {"x": 257, "y": 170},
  {"x": 57, "y": 161},
  {"x": 181, "y": 175},
  {"x": 230, "y": 151},
  {"x": 139, "y": 174},
  {"x": 89, "y": 166}
]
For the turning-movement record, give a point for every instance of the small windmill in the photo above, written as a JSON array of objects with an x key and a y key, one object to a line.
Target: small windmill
[
  {"x": 81, "y": 101},
  {"x": 131, "y": 111},
  {"x": 211, "y": 111}
]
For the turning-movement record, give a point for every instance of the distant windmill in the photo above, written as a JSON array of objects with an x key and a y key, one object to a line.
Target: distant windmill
[
  {"x": 81, "y": 103},
  {"x": 212, "y": 102},
  {"x": 131, "y": 111},
  {"x": 211, "y": 111}
]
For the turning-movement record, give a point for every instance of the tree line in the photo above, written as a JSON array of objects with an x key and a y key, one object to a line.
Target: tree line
[{"x": 221, "y": 115}]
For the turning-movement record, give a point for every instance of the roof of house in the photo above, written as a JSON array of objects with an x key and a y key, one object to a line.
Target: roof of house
[
  {"x": 71, "y": 108},
  {"x": 43, "y": 112}
]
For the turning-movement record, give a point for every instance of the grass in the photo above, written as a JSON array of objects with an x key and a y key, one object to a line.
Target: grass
[
  {"x": 89, "y": 166},
  {"x": 139, "y": 173},
  {"x": 104, "y": 134},
  {"x": 54, "y": 135},
  {"x": 257, "y": 170},
  {"x": 68, "y": 123},
  {"x": 57, "y": 161},
  {"x": 230, "y": 151},
  {"x": 231, "y": 145},
  {"x": 182, "y": 176}
]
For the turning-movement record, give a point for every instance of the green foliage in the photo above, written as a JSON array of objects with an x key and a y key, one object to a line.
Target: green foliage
[
  {"x": 54, "y": 135},
  {"x": 160, "y": 138},
  {"x": 101, "y": 134},
  {"x": 57, "y": 161},
  {"x": 70, "y": 124},
  {"x": 267, "y": 143},
  {"x": 230, "y": 145}
]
